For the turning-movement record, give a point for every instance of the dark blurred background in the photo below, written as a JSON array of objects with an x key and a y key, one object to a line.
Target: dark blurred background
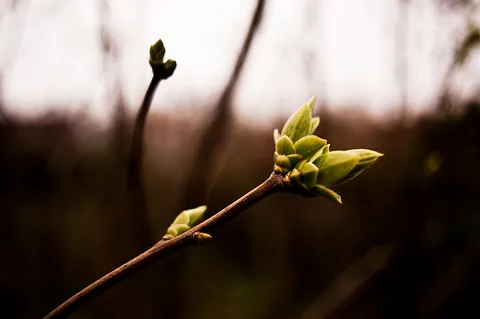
[{"x": 405, "y": 243}]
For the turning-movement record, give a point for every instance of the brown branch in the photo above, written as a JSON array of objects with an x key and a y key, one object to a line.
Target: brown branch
[
  {"x": 139, "y": 219},
  {"x": 162, "y": 248},
  {"x": 196, "y": 182}
]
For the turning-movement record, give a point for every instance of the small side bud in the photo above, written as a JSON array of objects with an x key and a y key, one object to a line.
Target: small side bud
[
  {"x": 169, "y": 68},
  {"x": 185, "y": 221},
  {"x": 200, "y": 237}
]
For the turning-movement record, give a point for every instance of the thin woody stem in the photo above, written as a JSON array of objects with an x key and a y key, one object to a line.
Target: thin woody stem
[
  {"x": 137, "y": 205},
  {"x": 164, "y": 247}
]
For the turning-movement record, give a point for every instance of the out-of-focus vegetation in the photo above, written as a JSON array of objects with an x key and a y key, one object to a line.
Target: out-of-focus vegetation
[{"x": 405, "y": 243}]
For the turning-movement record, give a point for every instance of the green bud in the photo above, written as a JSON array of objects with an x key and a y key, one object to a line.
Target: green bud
[
  {"x": 334, "y": 166},
  {"x": 276, "y": 136},
  {"x": 157, "y": 53},
  {"x": 326, "y": 149},
  {"x": 294, "y": 159},
  {"x": 195, "y": 214},
  {"x": 284, "y": 146},
  {"x": 298, "y": 125},
  {"x": 314, "y": 124},
  {"x": 311, "y": 103},
  {"x": 161, "y": 69},
  {"x": 308, "y": 145},
  {"x": 275, "y": 156},
  {"x": 184, "y": 221},
  {"x": 295, "y": 175},
  {"x": 176, "y": 229},
  {"x": 201, "y": 237},
  {"x": 308, "y": 173},
  {"x": 282, "y": 164},
  {"x": 169, "y": 68},
  {"x": 327, "y": 192},
  {"x": 367, "y": 159},
  {"x": 319, "y": 153}
]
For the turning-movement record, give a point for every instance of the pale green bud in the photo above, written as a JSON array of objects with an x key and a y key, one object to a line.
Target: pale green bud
[
  {"x": 276, "y": 135},
  {"x": 326, "y": 149},
  {"x": 308, "y": 145},
  {"x": 295, "y": 175},
  {"x": 298, "y": 125},
  {"x": 195, "y": 214},
  {"x": 319, "y": 153},
  {"x": 294, "y": 159},
  {"x": 176, "y": 229},
  {"x": 311, "y": 103},
  {"x": 367, "y": 159},
  {"x": 308, "y": 173},
  {"x": 284, "y": 146},
  {"x": 282, "y": 164},
  {"x": 334, "y": 166},
  {"x": 184, "y": 221},
  {"x": 314, "y": 124}
]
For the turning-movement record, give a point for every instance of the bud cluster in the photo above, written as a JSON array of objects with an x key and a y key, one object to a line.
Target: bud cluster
[
  {"x": 306, "y": 160},
  {"x": 161, "y": 69}
]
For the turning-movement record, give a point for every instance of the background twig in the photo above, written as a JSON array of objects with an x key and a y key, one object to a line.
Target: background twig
[
  {"x": 135, "y": 186},
  {"x": 196, "y": 183}
]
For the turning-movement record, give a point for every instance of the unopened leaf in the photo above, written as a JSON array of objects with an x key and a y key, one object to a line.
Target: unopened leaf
[{"x": 308, "y": 145}]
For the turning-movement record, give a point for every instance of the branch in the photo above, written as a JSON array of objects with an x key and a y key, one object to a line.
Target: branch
[
  {"x": 196, "y": 182},
  {"x": 139, "y": 219},
  {"x": 273, "y": 184}
]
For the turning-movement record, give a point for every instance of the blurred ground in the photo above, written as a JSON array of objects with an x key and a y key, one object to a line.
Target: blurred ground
[{"x": 405, "y": 243}]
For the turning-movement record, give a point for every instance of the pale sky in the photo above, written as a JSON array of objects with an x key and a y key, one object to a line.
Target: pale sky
[{"x": 344, "y": 51}]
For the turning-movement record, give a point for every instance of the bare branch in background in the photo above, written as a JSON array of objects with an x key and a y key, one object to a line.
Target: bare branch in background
[
  {"x": 456, "y": 275},
  {"x": 460, "y": 55},
  {"x": 214, "y": 134},
  {"x": 353, "y": 278},
  {"x": 401, "y": 56},
  {"x": 136, "y": 211}
]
